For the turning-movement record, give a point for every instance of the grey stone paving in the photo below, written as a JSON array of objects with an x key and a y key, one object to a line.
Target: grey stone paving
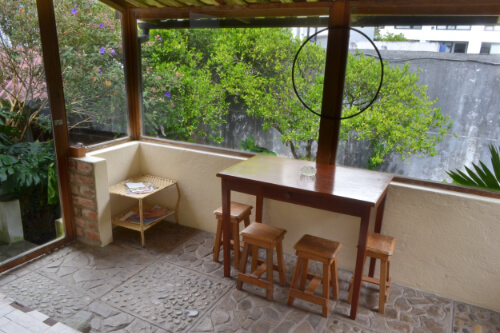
[{"x": 173, "y": 285}]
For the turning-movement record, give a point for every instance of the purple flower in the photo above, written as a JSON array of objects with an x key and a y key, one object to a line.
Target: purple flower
[
  {"x": 167, "y": 94},
  {"x": 76, "y": 6},
  {"x": 159, "y": 38},
  {"x": 73, "y": 11},
  {"x": 100, "y": 71},
  {"x": 101, "y": 25},
  {"x": 102, "y": 50},
  {"x": 112, "y": 51}
]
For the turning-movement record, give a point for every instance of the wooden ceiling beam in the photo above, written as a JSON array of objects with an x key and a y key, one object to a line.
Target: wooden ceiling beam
[
  {"x": 118, "y": 5},
  {"x": 425, "y": 7},
  {"x": 235, "y": 11}
]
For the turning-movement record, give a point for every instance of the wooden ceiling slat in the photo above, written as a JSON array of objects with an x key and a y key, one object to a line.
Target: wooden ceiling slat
[
  {"x": 154, "y": 3},
  {"x": 195, "y": 3},
  {"x": 137, "y": 4},
  {"x": 211, "y": 2},
  {"x": 119, "y": 5},
  {"x": 172, "y": 3},
  {"x": 235, "y": 2}
]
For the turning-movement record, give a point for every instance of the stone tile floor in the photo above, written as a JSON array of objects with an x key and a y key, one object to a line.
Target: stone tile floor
[{"x": 173, "y": 285}]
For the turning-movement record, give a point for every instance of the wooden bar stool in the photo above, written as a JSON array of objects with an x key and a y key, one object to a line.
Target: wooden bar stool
[
  {"x": 321, "y": 250},
  {"x": 261, "y": 235},
  {"x": 239, "y": 212},
  {"x": 379, "y": 247}
]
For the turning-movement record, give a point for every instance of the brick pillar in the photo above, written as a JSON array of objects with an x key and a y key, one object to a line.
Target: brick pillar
[{"x": 90, "y": 198}]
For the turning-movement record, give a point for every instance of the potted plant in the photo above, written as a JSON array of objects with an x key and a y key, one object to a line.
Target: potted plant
[{"x": 27, "y": 174}]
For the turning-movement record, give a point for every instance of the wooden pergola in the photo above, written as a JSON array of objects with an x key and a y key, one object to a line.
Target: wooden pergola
[{"x": 336, "y": 13}]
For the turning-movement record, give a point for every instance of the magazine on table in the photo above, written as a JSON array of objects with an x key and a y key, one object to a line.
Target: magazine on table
[
  {"x": 140, "y": 187},
  {"x": 149, "y": 215}
]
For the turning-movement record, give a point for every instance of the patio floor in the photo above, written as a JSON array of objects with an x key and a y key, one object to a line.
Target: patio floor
[{"x": 173, "y": 285}]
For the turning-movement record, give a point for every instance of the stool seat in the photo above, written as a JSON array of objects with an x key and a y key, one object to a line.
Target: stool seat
[
  {"x": 381, "y": 244},
  {"x": 237, "y": 211},
  {"x": 261, "y": 235},
  {"x": 321, "y": 250},
  {"x": 320, "y": 247},
  {"x": 263, "y": 232}
]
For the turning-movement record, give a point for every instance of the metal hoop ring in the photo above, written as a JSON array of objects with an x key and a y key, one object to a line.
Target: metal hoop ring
[{"x": 381, "y": 74}]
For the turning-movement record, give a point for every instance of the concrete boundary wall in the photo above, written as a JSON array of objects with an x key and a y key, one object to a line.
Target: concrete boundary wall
[{"x": 446, "y": 242}]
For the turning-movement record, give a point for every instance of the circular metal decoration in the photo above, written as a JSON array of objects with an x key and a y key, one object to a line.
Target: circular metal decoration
[{"x": 379, "y": 85}]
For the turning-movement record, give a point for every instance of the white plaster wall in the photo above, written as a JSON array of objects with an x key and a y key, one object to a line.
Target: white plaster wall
[
  {"x": 446, "y": 242},
  {"x": 122, "y": 162}
]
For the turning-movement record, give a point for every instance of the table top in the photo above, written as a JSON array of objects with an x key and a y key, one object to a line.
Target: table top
[
  {"x": 158, "y": 182},
  {"x": 343, "y": 182}
]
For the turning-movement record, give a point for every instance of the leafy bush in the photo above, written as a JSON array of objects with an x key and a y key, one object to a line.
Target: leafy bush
[
  {"x": 249, "y": 145},
  {"x": 481, "y": 176}
]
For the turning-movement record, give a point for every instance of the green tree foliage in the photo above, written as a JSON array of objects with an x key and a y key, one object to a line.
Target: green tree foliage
[
  {"x": 403, "y": 119},
  {"x": 181, "y": 97},
  {"x": 254, "y": 65},
  {"x": 390, "y": 37},
  {"x": 21, "y": 69},
  {"x": 89, "y": 40},
  {"x": 90, "y": 47}
]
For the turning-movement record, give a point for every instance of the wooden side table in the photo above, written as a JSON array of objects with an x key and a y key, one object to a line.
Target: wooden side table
[{"x": 159, "y": 185}]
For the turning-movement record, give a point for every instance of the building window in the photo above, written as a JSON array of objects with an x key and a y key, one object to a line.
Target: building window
[
  {"x": 453, "y": 47},
  {"x": 492, "y": 28},
  {"x": 490, "y": 48},
  {"x": 418, "y": 27},
  {"x": 453, "y": 27}
]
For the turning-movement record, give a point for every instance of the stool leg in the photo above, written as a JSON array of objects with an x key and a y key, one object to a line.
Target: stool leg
[
  {"x": 295, "y": 279},
  {"x": 218, "y": 240},
  {"x": 243, "y": 265},
  {"x": 255, "y": 257},
  {"x": 269, "y": 267},
  {"x": 335, "y": 279},
  {"x": 281, "y": 264},
  {"x": 371, "y": 270},
  {"x": 305, "y": 270},
  {"x": 326, "y": 288},
  {"x": 236, "y": 246},
  {"x": 247, "y": 221},
  {"x": 383, "y": 281},
  {"x": 349, "y": 299}
]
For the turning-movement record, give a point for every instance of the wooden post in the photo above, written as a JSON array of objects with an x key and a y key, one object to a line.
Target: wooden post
[
  {"x": 132, "y": 73},
  {"x": 53, "y": 74},
  {"x": 333, "y": 89}
]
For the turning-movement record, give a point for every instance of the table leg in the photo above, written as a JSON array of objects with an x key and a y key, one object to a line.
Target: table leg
[
  {"x": 360, "y": 259},
  {"x": 378, "y": 229},
  {"x": 226, "y": 204},
  {"x": 141, "y": 221},
  {"x": 258, "y": 209}
]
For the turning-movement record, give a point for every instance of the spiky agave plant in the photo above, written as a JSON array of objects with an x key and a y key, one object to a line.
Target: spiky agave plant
[{"x": 481, "y": 176}]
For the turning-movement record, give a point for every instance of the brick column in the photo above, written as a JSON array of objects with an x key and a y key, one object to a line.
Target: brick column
[{"x": 89, "y": 188}]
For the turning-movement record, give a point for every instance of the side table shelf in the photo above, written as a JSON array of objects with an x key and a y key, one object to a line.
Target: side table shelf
[{"x": 159, "y": 184}]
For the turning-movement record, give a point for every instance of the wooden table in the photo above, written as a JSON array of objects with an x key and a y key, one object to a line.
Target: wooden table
[
  {"x": 159, "y": 185},
  {"x": 338, "y": 189}
]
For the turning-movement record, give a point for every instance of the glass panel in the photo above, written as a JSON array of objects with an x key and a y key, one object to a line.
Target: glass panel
[
  {"x": 437, "y": 112},
  {"x": 232, "y": 87},
  {"x": 89, "y": 35},
  {"x": 30, "y": 213}
]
